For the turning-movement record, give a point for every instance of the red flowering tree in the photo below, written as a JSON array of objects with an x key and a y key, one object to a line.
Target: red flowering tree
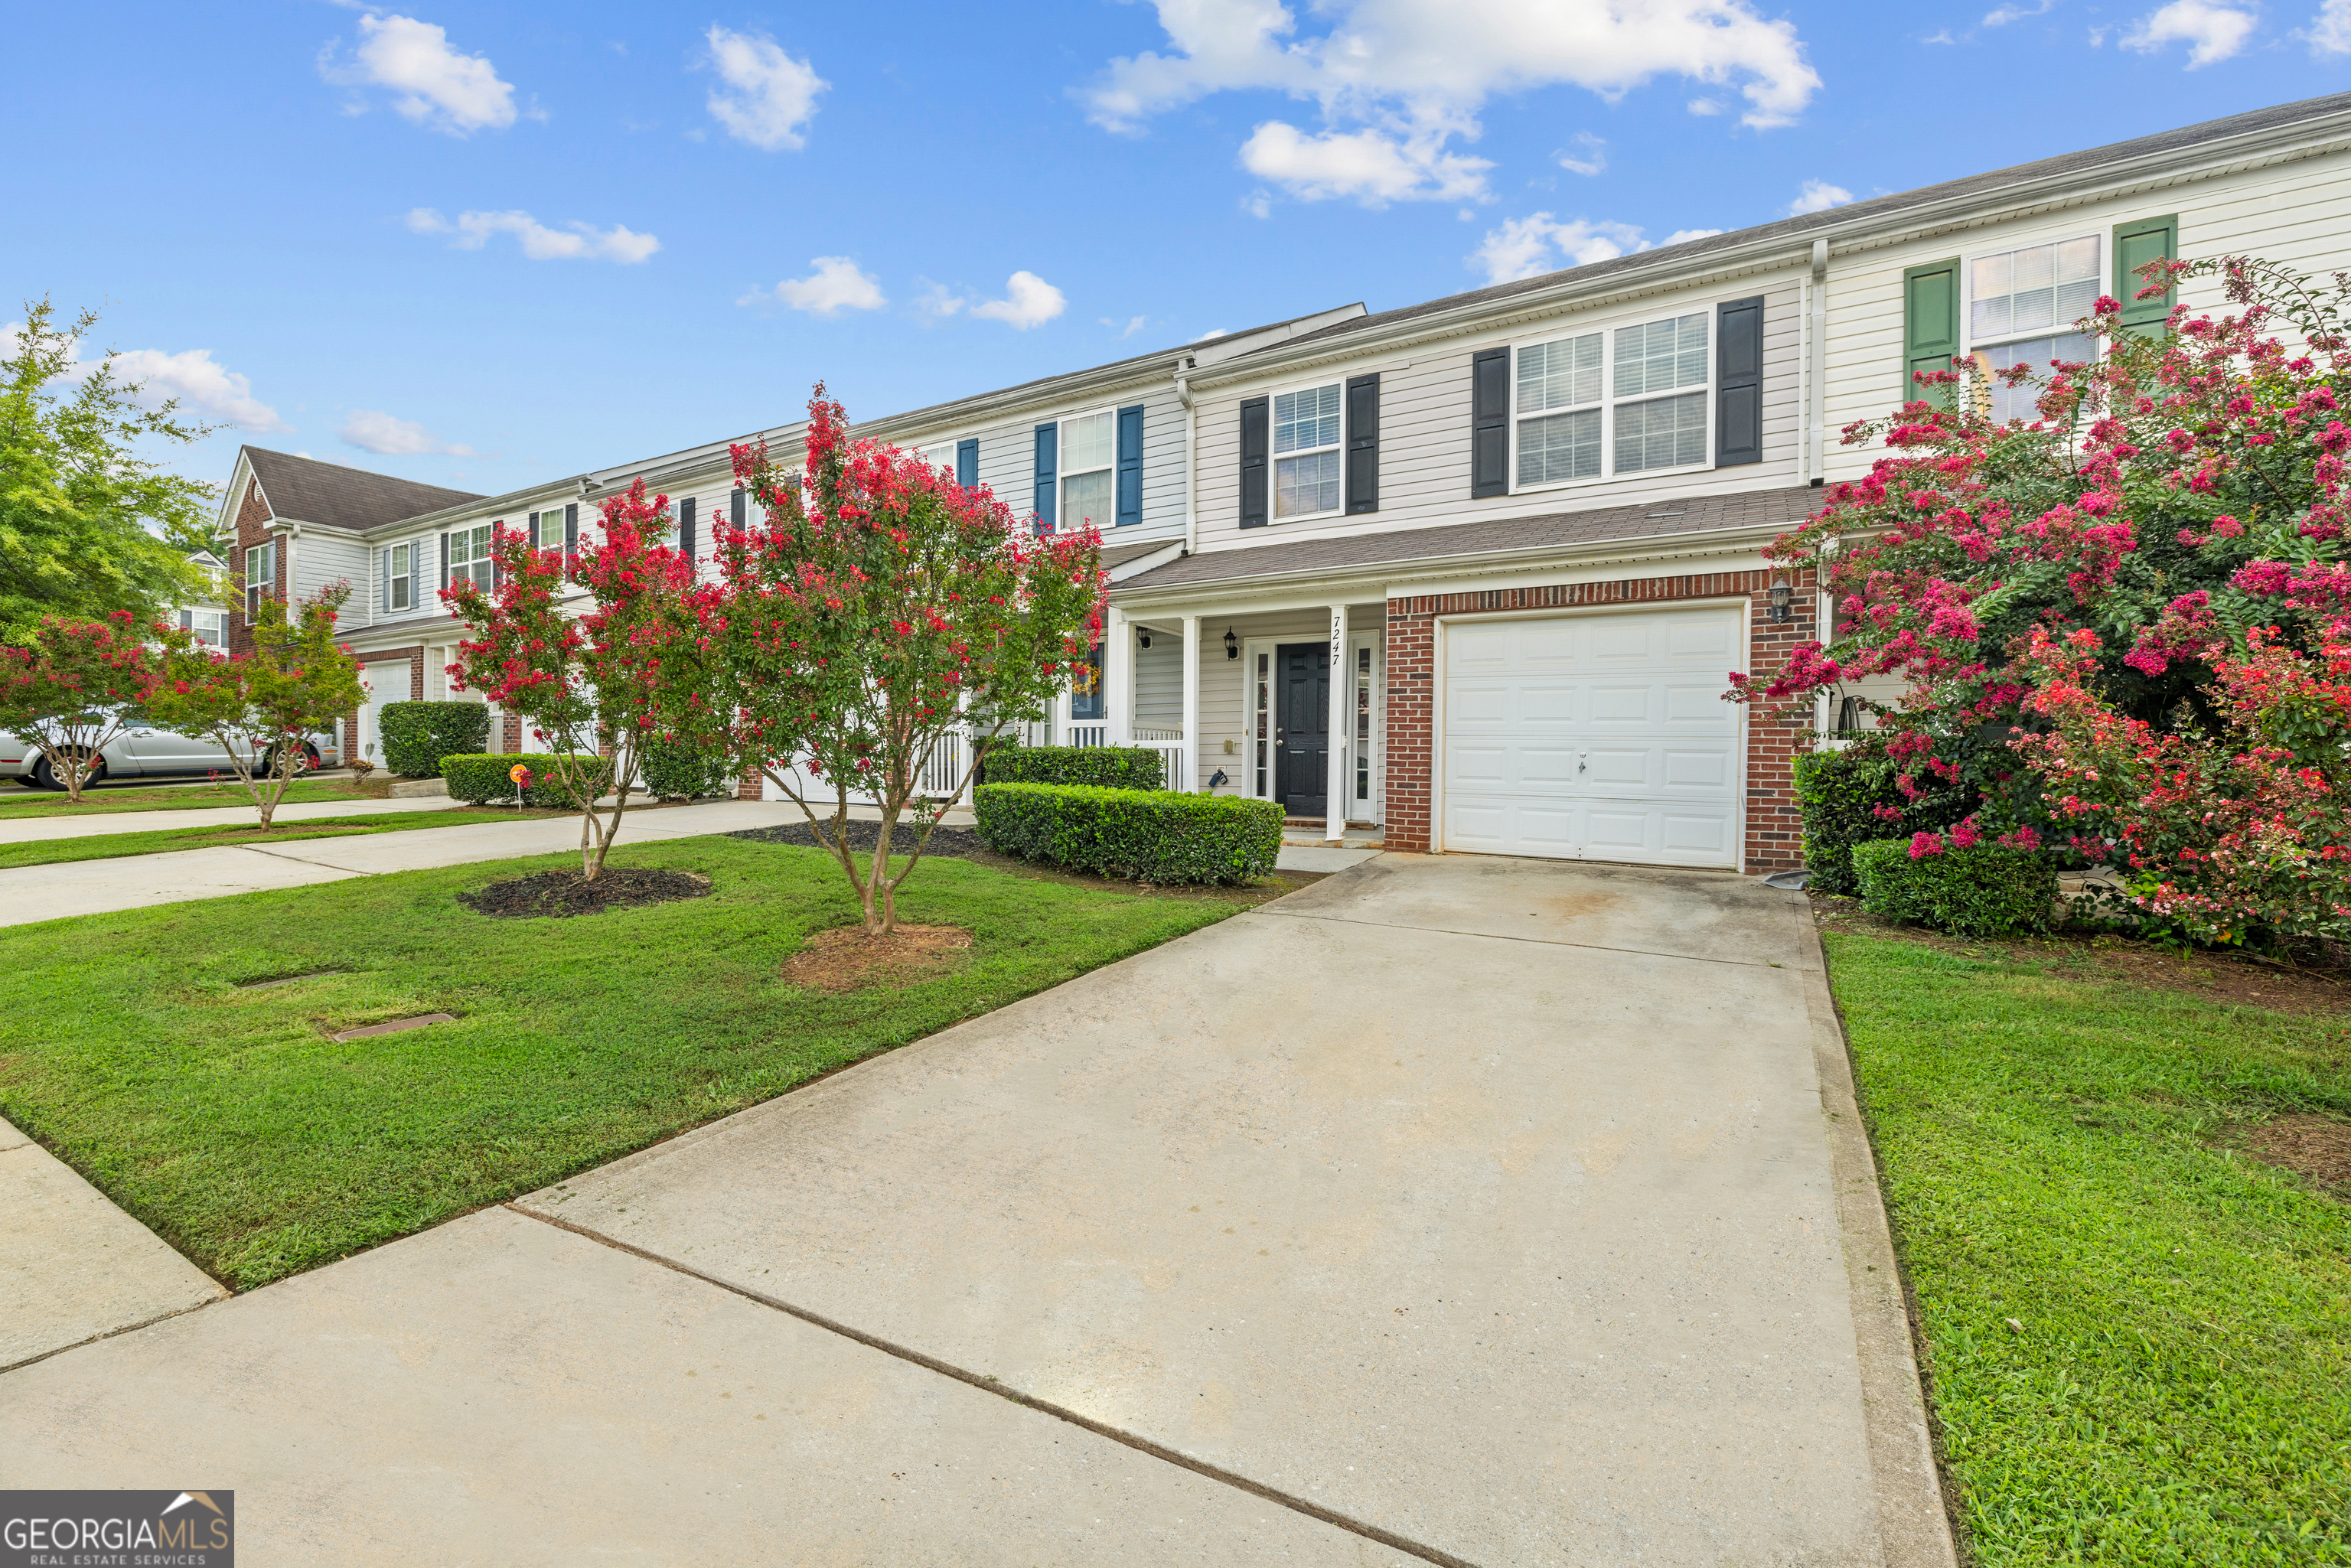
[
  {"x": 262, "y": 707},
  {"x": 76, "y": 688},
  {"x": 2165, "y": 521},
  {"x": 879, "y": 632},
  {"x": 594, "y": 686}
]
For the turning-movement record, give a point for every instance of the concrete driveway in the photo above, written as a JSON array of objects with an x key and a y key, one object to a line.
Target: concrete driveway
[{"x": 1459, "y": 1210}]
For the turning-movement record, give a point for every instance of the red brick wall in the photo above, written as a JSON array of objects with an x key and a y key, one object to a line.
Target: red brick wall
[
  {"x": 253, "y": 518},
  {"x": 1774, "y": 828},
  {"x": 752, "y": 787}
]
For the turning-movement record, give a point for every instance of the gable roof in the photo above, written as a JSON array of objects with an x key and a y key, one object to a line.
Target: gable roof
[
  {"x": 305, "y": 490},
  {"x": 1860, "y": 215}
]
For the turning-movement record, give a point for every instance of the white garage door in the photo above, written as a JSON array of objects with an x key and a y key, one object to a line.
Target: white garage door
[{"x": 1600, "y": 737}]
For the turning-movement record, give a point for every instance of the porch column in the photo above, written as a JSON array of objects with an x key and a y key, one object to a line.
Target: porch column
[
  {"x": 1342, "y": 711},
  {"x": 1118, "y": 678},
  {"x": 1190, "y": 778}
]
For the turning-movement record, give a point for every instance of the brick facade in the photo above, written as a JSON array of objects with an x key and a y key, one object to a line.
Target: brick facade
[
  {"x": 253, "y": 527},
  {"x": 1773, "y": 830}
]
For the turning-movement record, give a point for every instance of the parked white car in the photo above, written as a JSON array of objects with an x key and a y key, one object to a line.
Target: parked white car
[{"x": 146, "y": 751}]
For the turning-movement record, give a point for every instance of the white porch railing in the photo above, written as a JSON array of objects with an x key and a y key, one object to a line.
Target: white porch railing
[{"x": 1088, "y": 734}]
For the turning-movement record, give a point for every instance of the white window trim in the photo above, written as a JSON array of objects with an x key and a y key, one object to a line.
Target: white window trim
[
  {"x": 253, "y": 592},
  {"x": 1608, "y": 327},
  {"x": 391, "y": 577},
  {"x": 449, "y": 564},
  {"x": 948, "y": 444},
  {"x": 1063, "y": 472},
  {"x": 1274, "y": 459},
  {"x": 2103, "y": 276}
]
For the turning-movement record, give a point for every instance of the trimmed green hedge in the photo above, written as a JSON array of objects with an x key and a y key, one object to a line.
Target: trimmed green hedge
[
  {"x": 417, "y": 735},
  {"x": 1102, "y": 766},
  {"x": 1151, "y": 835},
  {"x": 1985, "y": 890},
  {"x": 480, "y": 779},
  {"x": 1840, "y": 792},
  {"x": 677, "y": 772}
]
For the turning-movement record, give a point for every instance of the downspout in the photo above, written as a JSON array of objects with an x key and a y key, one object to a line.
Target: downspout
[
  {"x": 1191, "y": 427},
  {"x": 1817, "y": 359},
  {"x": 294, "y": 532}
]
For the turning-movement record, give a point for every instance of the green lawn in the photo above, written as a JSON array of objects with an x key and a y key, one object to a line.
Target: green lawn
[
  {"x": 226, "y": 1121},
  {"x": 17, "y": 802},
  {"x": 2055, "y": 1148},
  {"x": 155, "y": 840}
]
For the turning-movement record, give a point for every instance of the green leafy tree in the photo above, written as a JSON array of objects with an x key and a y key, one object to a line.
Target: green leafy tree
[
  {"x": 77, "y": 498},
  {"x": 262, "y": 707},
  {"x": 76, "y": 686},
  {"x": 878, "y": 634}
]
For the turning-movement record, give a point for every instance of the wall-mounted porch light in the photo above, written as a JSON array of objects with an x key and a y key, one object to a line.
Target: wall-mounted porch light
[
  {"x": 1783, "y": 601},
  {"x": 1232, "y": 644},
  {"x": 1143, "y": 638}
]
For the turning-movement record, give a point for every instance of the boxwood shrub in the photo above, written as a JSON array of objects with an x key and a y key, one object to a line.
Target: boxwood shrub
[
  {"x": 479, "y": 779},
  {"x": 672, "y": 771},
  {"x": 417, "y": 735},
  {"x": 1984, "y": 890},
  {"x": 1840, "y": 793},
  {"x": 1151, "y": 835},
  {"x": 1103, "y": 767}
]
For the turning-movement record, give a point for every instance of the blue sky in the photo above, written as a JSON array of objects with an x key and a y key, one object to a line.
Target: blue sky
[{"x": 482, "y": 245}]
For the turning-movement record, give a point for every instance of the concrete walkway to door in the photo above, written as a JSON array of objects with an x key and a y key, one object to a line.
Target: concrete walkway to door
[{"x": 1460, "y": 1210}]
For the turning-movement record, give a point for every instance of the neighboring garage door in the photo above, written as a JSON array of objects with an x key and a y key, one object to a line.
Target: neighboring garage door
[{"x": 1594, "y": 736}]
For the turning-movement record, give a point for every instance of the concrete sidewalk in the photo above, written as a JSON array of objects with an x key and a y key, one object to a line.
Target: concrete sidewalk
[
  {"x": 36, "y": 830},
  {"x": 1460, "y": 1210}
]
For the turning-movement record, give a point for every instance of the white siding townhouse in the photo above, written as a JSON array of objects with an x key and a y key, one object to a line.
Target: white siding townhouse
[{"x": 1470, "y": 572}]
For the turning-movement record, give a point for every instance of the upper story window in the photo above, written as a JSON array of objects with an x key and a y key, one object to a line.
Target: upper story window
[
  {"x": 469, "y": 557},
  {"x": 1622, "y": 401},
  {"x": 400, "y": 578},
  {"x": 1309, "y": 469},
  {"x": 206, "y": 626},
  {"x": 1089, "y": 484},
  {"x": 260, "y": 577},
  {"x": 546, "y": 529},
  {"x": 2021, "y": 306}
]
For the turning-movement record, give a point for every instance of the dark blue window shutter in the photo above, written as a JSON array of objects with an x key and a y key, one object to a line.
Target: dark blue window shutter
[
  {"x": 1256, "y": 435},
  {"x": 1364, "y": 443},
  {"x": 967, "y": 463},
  {"x": 1049, "y": 451},
  {"x": 1489, "y": 424},
  {"x": 571, "y": 532},
  {"x": 383, "y": 598},
  {"x": 685, "y": 526},
  {"x": 739, "y": 510},
  {"x": 1130, "y": 465},
  {"x": 444, "y": 561},
  {"x": 1739, "y": 383}
]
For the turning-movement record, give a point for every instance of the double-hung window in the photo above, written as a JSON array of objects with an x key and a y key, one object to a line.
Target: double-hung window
[
  {"x": 206, "y": 626},
  {"x": 1309, "y": 465},
  {"x": 400, "y": 578},
  {"x": 1625, "y": 400},
  {"x": 469, "y": 556},
  {"x": 1089, "y": 481},
  {"x": 2021, "y": 307},
  {"x": 260, "y": 577}
]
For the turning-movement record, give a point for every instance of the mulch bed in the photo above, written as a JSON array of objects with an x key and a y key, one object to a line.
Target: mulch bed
[
  {"x": 2310, "y": 1144},
  {"x": 556, "y": 895},
  {"x": 846, "y": 959},
  {"x": 950, "y": 844}
]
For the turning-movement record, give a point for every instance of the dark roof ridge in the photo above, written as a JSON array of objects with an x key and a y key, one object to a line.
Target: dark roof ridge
[{"x": 335, "y": 495}]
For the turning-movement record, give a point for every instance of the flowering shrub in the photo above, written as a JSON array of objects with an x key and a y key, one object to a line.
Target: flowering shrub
[
  {"x": 2146, "y": 571},
  {"x": 880, "y": 610},
  {"x": 76, "y": 688}
]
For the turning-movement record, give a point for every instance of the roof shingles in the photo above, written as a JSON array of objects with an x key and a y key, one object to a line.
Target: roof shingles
[{"x": 306, "y": 490}]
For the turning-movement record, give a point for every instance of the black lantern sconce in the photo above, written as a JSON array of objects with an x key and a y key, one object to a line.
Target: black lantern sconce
[
  {"x": 1783, "y": 601},
  {"x": 1143, "y": 638},
  {"x": 1232, "y": 644}
]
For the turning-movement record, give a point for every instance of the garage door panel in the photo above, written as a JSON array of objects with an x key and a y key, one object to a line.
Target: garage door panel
[{"x": 1602, "y": 736}]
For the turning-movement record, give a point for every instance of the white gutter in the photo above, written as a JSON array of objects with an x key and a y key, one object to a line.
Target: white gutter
[
  {"x": 1817, "y": 363},
  {"x": 1191, "y": 480}
]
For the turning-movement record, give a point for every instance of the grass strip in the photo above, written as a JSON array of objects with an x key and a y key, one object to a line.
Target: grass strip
[
  {"x": 225, "y": 1119},
  {"x": 2139, "y": 1339},
  {"x": 18, "y": 803},
  {"x": 158, "y": 840}
]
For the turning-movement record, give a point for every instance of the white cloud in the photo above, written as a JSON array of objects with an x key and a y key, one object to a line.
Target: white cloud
[
  {"x": 2003, "y": 16},
  {"x": 1134, "y": 324},
  {"x": 434, "y": 84},
  {"x": 209, "y": 391},
  {"x": 371, "y": 430},
  {"x": 1818, "y": 196},
  {"x": 835, "y": 286},
  {"x": 575, "y": 241},
  {"x": 769, "y": 98},
  {"x": 1680, "y": 237},
  {"x": 1528, "y": 246},
  {"x": 2213, "y": 33},
  {"x": 1029, "y": 301},
  {"x": 1942, "y": 38},
  {"x": 1592, "y": 156},
  {"x": 1370, "y": 166},
  {"x": 1211, "y": 332},
  {"x": 937, "y": 299},
  {"x": 2330, "y": 30},
  {"x": 1414, "y": 74}
]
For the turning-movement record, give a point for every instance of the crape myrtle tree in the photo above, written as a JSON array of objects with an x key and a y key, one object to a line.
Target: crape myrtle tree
[
  {"x": 262, "y": 707},
  {"x": 596, "y": 686},
  {"x": 76, "y": 686},
  {"x": 2122, "y": 620},
  {"x": 878, "y": 612}
]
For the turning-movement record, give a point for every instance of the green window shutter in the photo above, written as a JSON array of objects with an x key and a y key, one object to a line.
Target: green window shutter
[
  {"x": 1931, "y": 327},
  {"x": 2136, "y": 245}
]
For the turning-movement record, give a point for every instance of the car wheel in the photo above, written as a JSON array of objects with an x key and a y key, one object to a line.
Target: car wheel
[{"x": 45, "y": 777}]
